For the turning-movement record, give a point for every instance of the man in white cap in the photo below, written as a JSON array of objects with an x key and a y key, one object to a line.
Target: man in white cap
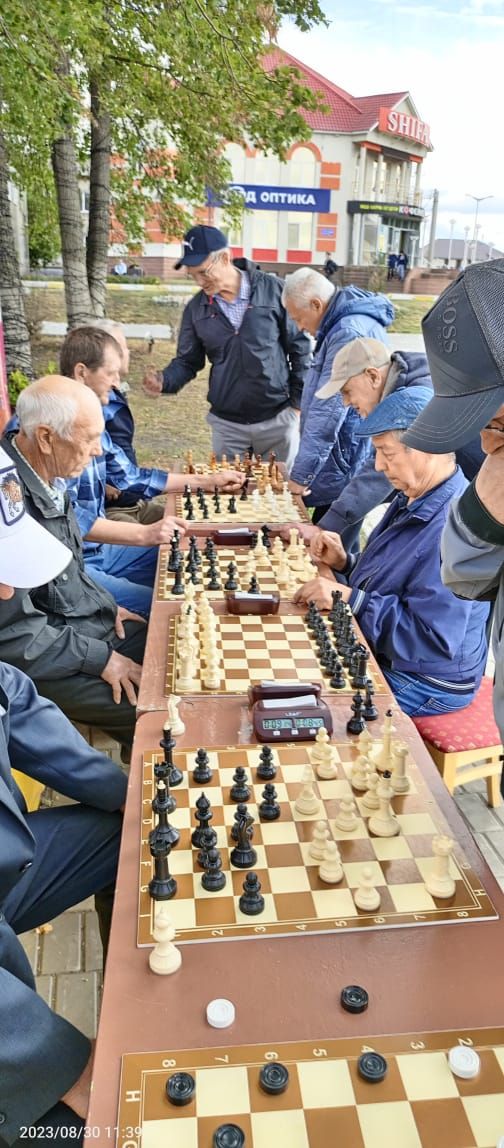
[{"x": 49, "y": 860}]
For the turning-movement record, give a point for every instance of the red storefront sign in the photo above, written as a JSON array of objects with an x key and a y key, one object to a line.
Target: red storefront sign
[{"x": 401, "y": 124}]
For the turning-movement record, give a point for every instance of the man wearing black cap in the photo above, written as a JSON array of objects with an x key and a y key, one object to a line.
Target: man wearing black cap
[
  {"x": 258, "y": 357},
  {"x": 464, "y": 341}
]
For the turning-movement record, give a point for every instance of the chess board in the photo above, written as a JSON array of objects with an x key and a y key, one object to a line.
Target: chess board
[
  {"x": 256, "y": 648},
  {"x": 419, "y": 1104},
  {"x": 257, "y": 508},
  {"x": 265, "y": 572},
  {"x": 260, "y": 472},
  {"x": 296, "y": 899}
]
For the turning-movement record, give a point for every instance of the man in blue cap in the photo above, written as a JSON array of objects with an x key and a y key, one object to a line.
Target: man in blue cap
[
  {"x": 429, "y": 645},
  {"x": 258, "y": 357}
]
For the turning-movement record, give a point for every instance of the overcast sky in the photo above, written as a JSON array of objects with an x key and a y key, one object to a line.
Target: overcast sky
[{"x": 451, "y": 59}]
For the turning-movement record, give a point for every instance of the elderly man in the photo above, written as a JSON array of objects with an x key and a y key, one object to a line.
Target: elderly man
[
  {"x": 330, "y": 452},
  {"x": 49, "y": 860},
  {"x": 121, "y": 556},
  {"x": 68, "y": 634},
  {"x": 430, "y": 646},
  {"x": 258, "y": 359}
]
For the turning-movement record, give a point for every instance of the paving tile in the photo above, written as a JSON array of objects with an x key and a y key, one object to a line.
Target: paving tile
[
  {"x": 492, "y": 856},
  {"x": 77, "y": 996},
  {"x": 83, "y": 906},
  {"x": 93, "y": 952},
  {"x": 30, "y": 942},
  {"x": 477, "y": 813},
  {"x": 61, "y": 948},
  {"x": 46, "y": 986}
]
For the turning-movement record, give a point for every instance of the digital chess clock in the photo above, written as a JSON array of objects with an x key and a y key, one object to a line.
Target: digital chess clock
[{"x": 294, "y": 719}]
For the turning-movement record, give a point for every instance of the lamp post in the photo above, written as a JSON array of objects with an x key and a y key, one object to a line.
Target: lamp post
[
  {"x": 477, "y": 199},
  {"x": 474, "y": 244},
  {"x": 490, "y": 249},
  {"x": 466, "y": 246},
  {"x": 450, "y": 241}
]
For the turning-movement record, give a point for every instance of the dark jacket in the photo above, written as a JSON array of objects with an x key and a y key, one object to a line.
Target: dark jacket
[
  {"x": 41, "y": 1054},
  {"x": 330, "y": 452},
  {"x": 68, "y": 626},
  {"x": 255, "y": 372}
]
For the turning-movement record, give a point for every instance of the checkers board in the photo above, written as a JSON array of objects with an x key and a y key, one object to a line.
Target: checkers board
[
  {"x": 419, "y": 1104},
  {"x": 296, "y": 900},
  {"x": 265, "y": 571},
  {"x": 256, "y": 648},
  {"x": 257, "y": 508}
]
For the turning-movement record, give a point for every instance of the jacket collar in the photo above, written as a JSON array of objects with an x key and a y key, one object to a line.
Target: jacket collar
[
  {"x": 38, "y": 493},
  {"x": 432, "y": 501}
]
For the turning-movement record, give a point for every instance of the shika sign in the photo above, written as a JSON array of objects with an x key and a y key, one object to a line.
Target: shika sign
[
  {"x": 261, "y": 197},
  {"x": 401, "y": 124}
]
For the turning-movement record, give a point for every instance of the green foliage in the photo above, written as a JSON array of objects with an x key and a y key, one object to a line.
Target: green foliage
[
  {"x": 16, "y": 382},
  {"x": 43, "y": 230}
]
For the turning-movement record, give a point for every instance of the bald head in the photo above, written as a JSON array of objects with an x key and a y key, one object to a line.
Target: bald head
[{"x": 60, "y": 426}]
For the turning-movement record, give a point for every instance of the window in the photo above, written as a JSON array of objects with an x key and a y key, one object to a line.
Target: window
[
  {"x": 265, "y": 229},
  {"x": 299, "y": 231},
  {"x": 266, "y": 170},
  {"x": 236, "y": 156},
  {"x": 302, "y": 168}
]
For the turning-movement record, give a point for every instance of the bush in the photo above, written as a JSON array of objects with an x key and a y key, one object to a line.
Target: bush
[
  {"x": 137, "y": 279},
  {"x": 16, "y": 382}
]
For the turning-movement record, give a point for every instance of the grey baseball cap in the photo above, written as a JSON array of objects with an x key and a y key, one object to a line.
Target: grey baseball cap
[{"x": 464, "y": 342}]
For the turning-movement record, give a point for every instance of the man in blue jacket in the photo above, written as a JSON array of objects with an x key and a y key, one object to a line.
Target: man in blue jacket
[
  {"x": 430, "y": 645},
  {"x": 330, "y": 452},
  {"x": 258, "y": 358}
]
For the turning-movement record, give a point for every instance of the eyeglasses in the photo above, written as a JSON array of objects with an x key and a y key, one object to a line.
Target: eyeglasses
[{"x": 201, "y": 272}]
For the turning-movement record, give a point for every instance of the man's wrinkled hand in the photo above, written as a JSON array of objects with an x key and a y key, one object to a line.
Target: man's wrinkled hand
[
  {"x": 124, "y": 615},
  {"x": 225, "y": 480},
  {"x": 326, "y": 548},
  {"x": 152, "y": 383},
  {"x": 298, "y": 488},
  {"x": 111, "y": 494},
  {"x": 162, "y": 531},
  {"x": 320, "y": 591},
  {"x": 304, "y": 529},
  {"x": 122, "y": 674}
]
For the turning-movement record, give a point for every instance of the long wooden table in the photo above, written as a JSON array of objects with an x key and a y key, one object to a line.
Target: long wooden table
[{"x": 418, "y": 979}]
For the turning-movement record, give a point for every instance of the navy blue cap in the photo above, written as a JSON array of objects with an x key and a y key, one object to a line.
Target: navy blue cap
[
  {"x": 464, "y": 342},
  {"x": 198, "y": 243},
  {"x": 396, "y": 412}
]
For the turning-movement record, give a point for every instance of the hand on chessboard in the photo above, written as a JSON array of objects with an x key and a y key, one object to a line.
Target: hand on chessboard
[
  {"x": 162, "y": 531},
  {"x": 298, "y": 488},
  {"x": 152, "y": 383},
  {"x": 327, "y": 549},
  {"x": 320, "y": 591},
  {"x": 306, "y": 531},
  {"x": 225, "y": 480}
]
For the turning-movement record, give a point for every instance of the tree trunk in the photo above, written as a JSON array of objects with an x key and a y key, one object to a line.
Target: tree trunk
[
  {"x": 99, "y": 201},
  {"x": 16, "y": 333}
]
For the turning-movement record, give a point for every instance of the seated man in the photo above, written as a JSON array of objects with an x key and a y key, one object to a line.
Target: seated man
[
  {"x": 429, "y": 645},
  {"x": 49, "y": 860},
  {"x": 120, "y": 553},
  {"x": 67, "y": 633}
]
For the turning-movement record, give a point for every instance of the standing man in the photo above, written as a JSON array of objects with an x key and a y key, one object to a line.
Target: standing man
[
  {"x": 258, "y": 357},
  {"x": 391, "y": 265}
]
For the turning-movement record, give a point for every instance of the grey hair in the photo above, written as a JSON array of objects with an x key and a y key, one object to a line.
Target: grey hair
[
  {"x": 37, "y": 407},
  {"x": 306, "y": 284}
]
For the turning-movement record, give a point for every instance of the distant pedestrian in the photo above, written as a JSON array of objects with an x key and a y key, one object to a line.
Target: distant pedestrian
[
  {"x": 330, "y": 267},
  {"x": 402, "y": 266},
  {"x": 391, "y": 265}
]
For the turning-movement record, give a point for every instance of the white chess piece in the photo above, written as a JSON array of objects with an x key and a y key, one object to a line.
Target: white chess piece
[
  {"x": 185, "y": 669},
  {"x": 331, "y": 869},
  {"x": 440, "y": 883},
  {"x": 315, "y": 753},
  {"x": 326, "y": 768},
  {"x": 364, "y": 742},
  {"x": 371, "y": 800},
  {"x": 381, "y": 751},
  {"x": 319, "y": 840},
  {"x": 307, "y": 803},
  {"x": 359, "y": 774},
  {"x": 366, "y": 896},
  {"x": 165, "y": 958},
  {"x": 346, "y": 819},
  {"x": 399, "y": 781},
  {"x": 384, "y": 822},
  {"x": 174, "y": 722}
]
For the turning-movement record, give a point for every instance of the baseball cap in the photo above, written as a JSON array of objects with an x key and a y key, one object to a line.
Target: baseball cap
[
  {"x": 29, "y": 555},
  {"x": 396, "y": 412},
  {"x": 351, "y": 360},
  {"x": 199, "y": 242},
  {"x": 464, "y": 342}
]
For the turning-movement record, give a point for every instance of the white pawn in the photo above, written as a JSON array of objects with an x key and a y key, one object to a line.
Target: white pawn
[
  {"x": 277, "y": 549},
  {"x": 283, "y": 572},
  {"x": 317, "y": 849},
  {"x": 326, "y": 768},
  {"x": 399, "y": 781},
  {"x": 384, "y": 822},
  {"x": 371, "y": 800},
  {"x": 307, "y": 802},
  {"x": 346, "y": 818},
  {"x": 364, "y": 742},
  {"x": 212, "y": 676},
  {"x": 440, "y": 883},
  {"x": 321, "y": 739},
  {"x": 331, "y": 869},
  {"x": 165, "y": 958},
  {"x": 174, "y": 721},
  {"x": 366, "y": 896},
  {"x": 359, "y": 774}
]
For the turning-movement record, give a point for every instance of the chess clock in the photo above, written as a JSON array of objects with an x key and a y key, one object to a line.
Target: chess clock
[
  {"x": 290, "y": 719},
  {"x": 245, "y": 602}
]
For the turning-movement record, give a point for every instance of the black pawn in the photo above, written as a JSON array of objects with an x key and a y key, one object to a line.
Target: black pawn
[
  {"x": 240, "y": 790},
  {"x": 240, "y": 811},
  {"x": 232, "y": 505},
  {"x": 370, "y": 712},
  {"x": 266, "y": 770},
  {"x": 214, "y": 583},
  {"x": 178, "y": 584},
  {"x": 253, "y": 585},
  {"x": 265, "y": 531},
  {"x": 231, "y": 583},
  {"x": 244, "y": 491},
  {"x": 213, "y": 878},
  {"x": 251, "y": 901},
  {"x": 208, "y": 842},
  {"x": 357, "y": 723},
  {"x": 338, "y": 680},
  {"x": 202, "y": 774},
  {"x": 269, "y": 810}
]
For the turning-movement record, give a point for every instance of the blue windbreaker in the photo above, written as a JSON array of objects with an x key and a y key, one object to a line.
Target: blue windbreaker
[{"x": 330, "y": 452}]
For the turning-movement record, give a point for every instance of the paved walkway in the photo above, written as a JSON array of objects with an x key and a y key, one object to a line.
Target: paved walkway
[{"x": 164, "y": 331}]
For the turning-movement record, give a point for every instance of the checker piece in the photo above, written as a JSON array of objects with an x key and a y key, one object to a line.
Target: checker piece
[
  {"x": 372, "y": 1067},
  {"x": 180, "y": 1088},
  {"x": 228, "y": 1136}
]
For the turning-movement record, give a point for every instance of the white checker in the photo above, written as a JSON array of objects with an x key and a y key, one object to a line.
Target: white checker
[
  {"x": 268, "y": 914},
  {"x": 221, "y": 1092},
  {"x": 334, "y": 902},
  {"x": 283, "y": 1128},
  {"x": 181, "y": 861},
  {"x": 416, "y": 824},
  {"x": 337, "y": 789},
  {"x": 353, "y": 873},
  {"x": 183, "y": 913},
  {"x": 411, "y": 898},
  {"x": 289, "y": 879},
  {"x": 486, "y": 1117},
  {"x": 181, "y": 818},
  {"x": 426, "y": 1077},
  {"x": 182, "y": 1133},
  {"x": 390, "y": 848},
  {"x": 279, "y": 833},
  {"x": 388, "y": 1125},
  {"x": 326, "y": 1084},
  {"x": 357, "y": 833}
]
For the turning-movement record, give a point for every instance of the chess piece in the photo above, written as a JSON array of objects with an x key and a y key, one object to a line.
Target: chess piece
[
  {"x": 164, "y": 958},
  {"x": 382, "y": 749},
  {"x": 331, "y": 869},
  {"x": 240, "y": 791},
  {"x": 185, "y": 670},
  {"x": 203, "y": 815},
  {"x": 439, "y": 882},
  {"x": 371, "y": 800},
  {"x": 326, "y": 768},
  {"x": 172, "y": 775},
  {"x": 231, "y": 583},
  {"x": 241, "y": 811},
  {"x": 164, "y": 835},
  {"x": 307, "y": 803},
  {"x": 317, "y": 848},
  {"x": 208, "y": 842},
  {"x": 384, "y": 822},
  {"x": 356, "y": 723},
  {"x": 321, "y": 739},
  {"x": 162, "y": 886},
  {"x": 175, "y": 721},
  {"x": 213, "y": 879},
  {"x": 399, "y": 781},
  {"x": 243, "y": 856},
  {"x": 251, "y": 901},
  {"x": 269, "y": 810},
  {"x": 366, "y": 897},
  {"x": 364, "y": 743},
  {"x": 178, "y": 582},
  {"x": 359, "y": 774},
  {"x": 346, "y": 819},
  {"x": 370, "y": 712},
  {"x": 202, "y": 773},
  {"x": 266, "y": 770}
]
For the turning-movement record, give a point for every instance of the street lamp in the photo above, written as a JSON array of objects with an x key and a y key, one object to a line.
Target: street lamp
[
  {"x": 452, "y": 225},
  {"x": 490, "y": 249},
  {"x": 466, "y": 246},
  {"x": 477, "y": 199}
]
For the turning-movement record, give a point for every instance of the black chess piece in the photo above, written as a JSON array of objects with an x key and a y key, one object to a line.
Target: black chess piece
[
  {"x": 174, "y": 775},
  {"x": 266, "y": 770},
  {"x": 370, "y": 712},
  {"x": 265, "y": 531},
  {"x": 240, "y": 811},
  {"x": 204, "y": 511},
  {"x": 244, "y": 491},
  {"x": 232, "y": 505},
  {"x": 360, "y": 677},
  {"x": 208, "y": 842},
  {"x": 269, "y": 809},
  {"x": 163, "y": 886},
  {"x": 209, "y": 547},
  {"x": 337, "y": 680},
  {"x": 356, "y": 723},
  {"x": 203, "y": 815},
  {"x": 240, "y": 791},
  {"x": 213, "y": 879},
  {"x": 215, "y": 582},
  {"x": 253, "y": 585},
  {"x": 174, "y": 557},
  {"x": 251, "y": 901},
  {"x": 336, "y": 599},
  {"x": 243, "y": 856},
  {"x": 178, "y": 582},
  {"x": 189, "y": 509},
  {"x": 163, "y": 834},
  {"x": 231, "y": 582},
  {"x": 202, "y": 774}
]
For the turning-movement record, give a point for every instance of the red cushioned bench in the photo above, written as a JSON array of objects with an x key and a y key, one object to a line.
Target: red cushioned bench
[{"x": 466, "y": 744}]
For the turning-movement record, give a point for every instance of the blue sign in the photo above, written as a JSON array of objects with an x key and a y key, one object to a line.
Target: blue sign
[{"x": 260, "y": 197}]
